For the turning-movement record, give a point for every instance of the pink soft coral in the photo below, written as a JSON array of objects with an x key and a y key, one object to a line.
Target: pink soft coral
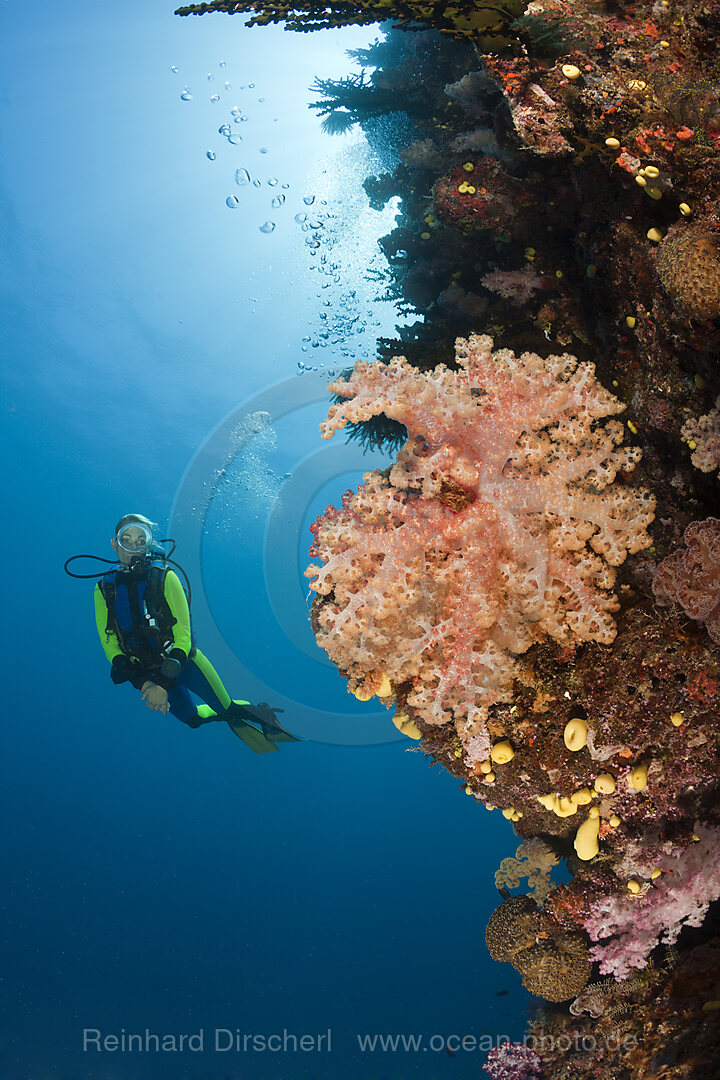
[
  {"x": 498, "y": 524},
  {"x": 513, "y": 1061},
  {"x": 517, "y": 286},
  {"x": 691, "y": 576},
  {"x": 681, "y": 897}
]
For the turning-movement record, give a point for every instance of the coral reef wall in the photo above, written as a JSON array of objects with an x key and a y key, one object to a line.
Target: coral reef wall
[
  {"x": 561, "y": 194},
  {"x": 533, "y": 586}
]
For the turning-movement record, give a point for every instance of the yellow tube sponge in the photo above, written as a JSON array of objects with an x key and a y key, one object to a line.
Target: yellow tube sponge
[
  {"x": 575, "y": 735},
  {"x": 407, "y": 726},
  {"x": 384, "y": 689},
  {"x": 605, "y": 783},
  {"x": 548, "y": 801},
  {"x": 582, "y": 797},
  {"x": 502, "y": 752},
  {"x": 564, "y": 807},
  {"x": 637, "y": 778},
  {"x": 586, "y": 838}
]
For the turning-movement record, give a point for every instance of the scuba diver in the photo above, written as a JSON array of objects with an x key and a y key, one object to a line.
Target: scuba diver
[{"x": 142, "y": 614}]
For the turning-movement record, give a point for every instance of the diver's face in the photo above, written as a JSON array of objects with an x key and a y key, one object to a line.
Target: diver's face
[{"x": 133, "y": 541}]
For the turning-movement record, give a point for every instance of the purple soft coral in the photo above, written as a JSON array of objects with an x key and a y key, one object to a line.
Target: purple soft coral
[
  {"x": 637, "y": 923},
  {"x": 691, "y": 575},
  {"x": 513, "y": 1061}
]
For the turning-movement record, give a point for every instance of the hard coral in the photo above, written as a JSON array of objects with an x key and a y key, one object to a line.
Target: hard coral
[
  {"x": 511, "y": 928},
  {"x": 443, "y": 597},
  {"x": 556, "y": 968},
  {"x": 554, "y": 963},
  {"x": 688, "y": 265},
  {"x": 691, "y": 576}
]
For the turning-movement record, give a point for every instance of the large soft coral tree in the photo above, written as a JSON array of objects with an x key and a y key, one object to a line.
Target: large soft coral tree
[{"x": 500, "y": 522}]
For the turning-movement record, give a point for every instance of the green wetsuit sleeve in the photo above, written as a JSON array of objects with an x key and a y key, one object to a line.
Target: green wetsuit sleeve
[
  {"x": 177, "y": 602},
  {"x": 110, "y": 645}
]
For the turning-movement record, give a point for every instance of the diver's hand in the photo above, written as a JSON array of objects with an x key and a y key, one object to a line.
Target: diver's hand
[{"x": 155, "y": 697}]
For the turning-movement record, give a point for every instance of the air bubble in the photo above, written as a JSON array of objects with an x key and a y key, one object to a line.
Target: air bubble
[
  {"x": 251, "y": 86},
  {"x": 300, "y": 218},
  {"x": 263, "y": 149},
  {"x": 235, "y": 111},
  {"x": 215, "y": 97},
  {"x": 186, "y": 95},
  {"x": 286, "y": 187},
  {"x": 232, "y": 201},
  {"x": 257, "y": 183},
  {"x": 267, "y": 227},
  {"x": 234, "y": 138},
  {"x": 225, "y": 130},
  {"x": 210, "y": 76},
  {"x": 242, "y": 177},
  {"x": 261, "y": 100},
  {"x": 278, "y": 201},
  {"x": 228, "y": 86},
  {"x": 174, "y": 69},
  {"x": 210, "y": 155},
  {"x": 222, "y": 64},
  {"x": 272, "y": 182},
  {"x": 308, "y": 199}
]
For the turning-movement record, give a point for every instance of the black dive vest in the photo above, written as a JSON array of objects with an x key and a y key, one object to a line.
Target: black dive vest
[{"x": 138, "y": 613}]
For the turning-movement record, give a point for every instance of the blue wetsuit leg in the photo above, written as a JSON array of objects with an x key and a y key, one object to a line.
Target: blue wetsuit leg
[{"x": 191, "y": 680}]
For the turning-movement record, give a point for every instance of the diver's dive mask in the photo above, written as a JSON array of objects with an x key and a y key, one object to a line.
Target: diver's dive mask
[{"x": 134, "y": 535}]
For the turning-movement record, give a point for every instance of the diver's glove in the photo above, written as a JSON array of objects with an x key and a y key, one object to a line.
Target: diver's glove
[{"x": 121, "y": 670}]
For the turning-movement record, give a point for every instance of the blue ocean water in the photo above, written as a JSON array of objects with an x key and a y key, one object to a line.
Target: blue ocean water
[{"x": 156, "y": 878}]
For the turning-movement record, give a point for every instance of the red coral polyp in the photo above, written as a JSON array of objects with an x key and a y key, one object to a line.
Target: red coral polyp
[{"x": 443, "y": 597}]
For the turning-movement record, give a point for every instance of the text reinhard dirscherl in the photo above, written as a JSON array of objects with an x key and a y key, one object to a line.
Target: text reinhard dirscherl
[
  {"x": 224, "y": 1040},
  {"x": 219, "y": 1040}
]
